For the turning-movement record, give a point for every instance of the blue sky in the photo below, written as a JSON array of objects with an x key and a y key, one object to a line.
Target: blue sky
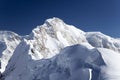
[{"x": 21, "y": 16}]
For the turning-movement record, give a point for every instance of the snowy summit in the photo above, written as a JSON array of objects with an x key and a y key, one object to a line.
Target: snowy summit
[{"x": 58, "y": 51}]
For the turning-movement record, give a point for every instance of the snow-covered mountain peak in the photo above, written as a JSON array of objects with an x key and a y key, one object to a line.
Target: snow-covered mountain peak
[
  {"x": 48, "y": 39},
  {"x": 58, "y": 25},
  {"x": 55, "y": 26},
  {"x": 54, "y": 19},
  {"x": 50, "y": 53}
]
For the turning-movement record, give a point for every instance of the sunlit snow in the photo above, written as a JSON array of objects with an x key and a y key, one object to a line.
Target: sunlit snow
[{"x": 58, "y": 51}]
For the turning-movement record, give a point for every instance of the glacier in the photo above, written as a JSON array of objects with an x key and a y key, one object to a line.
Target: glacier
[{"x": 58, "y": 51}]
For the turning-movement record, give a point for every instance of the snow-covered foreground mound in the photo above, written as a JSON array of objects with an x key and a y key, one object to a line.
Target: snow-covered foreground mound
[
  {"x": 73, "y": 63},
  {"x": 57, "y": 51}
]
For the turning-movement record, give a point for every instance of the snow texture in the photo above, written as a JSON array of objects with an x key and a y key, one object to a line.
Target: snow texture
[
  {"x": 8, "y": 42},
  {"x": 58, "y": 51}
]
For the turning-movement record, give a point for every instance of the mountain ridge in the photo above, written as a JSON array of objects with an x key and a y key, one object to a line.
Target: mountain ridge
[{"x": 43, "y": 44}]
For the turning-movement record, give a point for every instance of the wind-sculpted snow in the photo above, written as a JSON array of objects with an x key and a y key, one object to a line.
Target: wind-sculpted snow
[
  {"x": 73, "y": 63},
  {"x": 57, "y": 51},
  {"x": 80, "y": 61}
]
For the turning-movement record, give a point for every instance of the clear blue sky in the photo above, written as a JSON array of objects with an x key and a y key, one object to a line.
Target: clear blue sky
[{"x": 21, "y": 16}]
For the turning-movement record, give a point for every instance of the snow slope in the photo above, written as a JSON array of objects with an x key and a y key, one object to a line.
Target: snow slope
[
  {"x": 111, "y": 71},
  {"x": 58, "y": 51},
  {"x": 8, "y": 42},
  {"x": 99, "y": 40},
  {"x": 73, "y": 63}
]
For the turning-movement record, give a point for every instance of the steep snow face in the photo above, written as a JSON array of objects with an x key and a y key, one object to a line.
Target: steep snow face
[
  {"x": 8, "y": 43},
  {"x": 99, "y": 40},
  {"x": 48, "y": 39}
]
